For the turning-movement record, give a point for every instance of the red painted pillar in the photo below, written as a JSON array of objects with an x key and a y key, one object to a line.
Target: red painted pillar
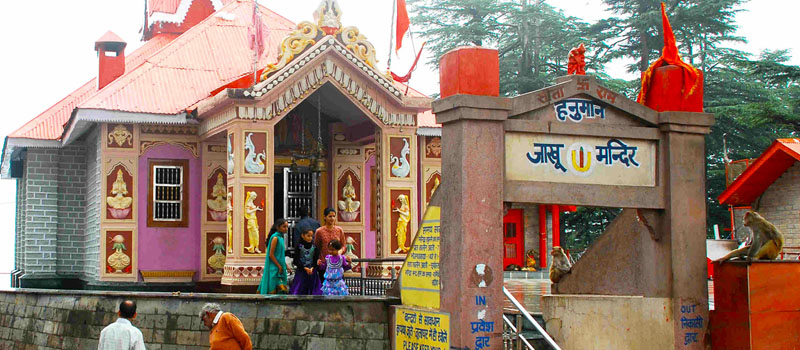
[
  {"x": 556, "y": 226},
  {"x": 471, "y": 256},
  {"x": 542, "y": 236}
]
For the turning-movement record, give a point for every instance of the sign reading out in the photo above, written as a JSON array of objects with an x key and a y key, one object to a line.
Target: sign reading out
[
  {"x": 419, "y": 277},
  {"x": 580, "y": 159},
  {"x": 421, "y": 329}
]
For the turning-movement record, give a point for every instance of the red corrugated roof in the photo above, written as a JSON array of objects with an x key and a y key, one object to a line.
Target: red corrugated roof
[
  {"x": 425, "y": 119},
  {"x": 211, "y": 54},
  {"x": 170, "y": 73},
  {"x": 49, "y": 125},
  {"x": 767, "y": 168},
  {"x": 165, "y": 6}
]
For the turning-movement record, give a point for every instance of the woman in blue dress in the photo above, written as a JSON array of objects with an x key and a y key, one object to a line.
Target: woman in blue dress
[
  {"x": 274, "y": 278},
  {"x": 334, "y": 266}
]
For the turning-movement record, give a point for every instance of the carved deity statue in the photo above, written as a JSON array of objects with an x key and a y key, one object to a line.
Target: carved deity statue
[
  {"x": 328, "y": 16},
  {"x": 350, "y": 249},
  {"x": 118, "y": 260},
  {"x": 217, "y": 261},
  {"x": 217, "y": 206},
  {"x": 119, "y": 205},
  {"x": 400, "y": 166},
  {"x": 230, "y": 157},
  {"x": 229, "y": 203},
  {"x": 253, "y": 162},
  {"x": 434, "y": 148},
  {"x": 402, "y": 223},
  {"x": 348, "y": 208},
  {"x": 250, "y": 210},
  {"x": 576, "y": 63}
]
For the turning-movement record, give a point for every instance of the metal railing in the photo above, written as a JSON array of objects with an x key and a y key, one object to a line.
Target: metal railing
[
  {"x": 513, "y": 333},
  {"x": 374, "y": 286}
]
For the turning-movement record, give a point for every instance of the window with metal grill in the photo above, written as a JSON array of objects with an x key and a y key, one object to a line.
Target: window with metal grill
[{"x": 167, "y": 204}]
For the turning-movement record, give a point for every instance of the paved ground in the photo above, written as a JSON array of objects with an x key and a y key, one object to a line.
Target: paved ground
[{"x": 529, "y": 293}]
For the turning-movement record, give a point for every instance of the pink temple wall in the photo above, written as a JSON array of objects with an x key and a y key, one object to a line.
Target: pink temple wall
[
  {"x": 369, "y": 235},
  {"x": 170, "y": 248}
]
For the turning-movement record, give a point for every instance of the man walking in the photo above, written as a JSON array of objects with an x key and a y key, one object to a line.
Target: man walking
[
  {"x": 226, "y": 332},
  {"x": 122, "y": 335},
  {"x": 304, "y": 224}
]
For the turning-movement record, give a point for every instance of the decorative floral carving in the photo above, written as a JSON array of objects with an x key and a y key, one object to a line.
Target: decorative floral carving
[
  {"x": 358, "y": 44},
  {"x": 121, "y": 136},
  {"x": 217, "y": 261},
  {"x": 168, "y": 129},
  {"x": 292, "y": 44},
  {"x": 119, "y": 260},
  {"x": 190, "y": 146}
]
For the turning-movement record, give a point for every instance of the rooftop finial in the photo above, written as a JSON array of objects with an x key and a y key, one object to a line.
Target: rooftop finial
[{"x": 328, "y": 16}]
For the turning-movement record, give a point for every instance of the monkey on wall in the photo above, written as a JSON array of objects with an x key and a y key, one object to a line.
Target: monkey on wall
[
  {"x": 561, "y": 264},
  {"x": 765, "y": 242}
]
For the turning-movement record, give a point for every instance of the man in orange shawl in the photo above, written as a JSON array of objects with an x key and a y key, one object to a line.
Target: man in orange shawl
[{"x": 226, "y": 332}]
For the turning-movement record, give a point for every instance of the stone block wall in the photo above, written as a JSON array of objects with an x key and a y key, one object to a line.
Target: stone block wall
[
  {"x": 52, "y": 319},
  {"x": 71, "y": 202},
  {"x": 780, "y": 204},
  {"x": 41, "y": 211},
  {"x": 19, "y": 246},
  {"x": 91, "y": 234}
]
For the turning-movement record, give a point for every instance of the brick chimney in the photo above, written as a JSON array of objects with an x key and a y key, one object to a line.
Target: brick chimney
[{"x": 111, "y": 58}]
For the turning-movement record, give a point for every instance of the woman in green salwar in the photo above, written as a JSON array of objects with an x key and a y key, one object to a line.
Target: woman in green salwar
[{"x": 274, "y": 276}]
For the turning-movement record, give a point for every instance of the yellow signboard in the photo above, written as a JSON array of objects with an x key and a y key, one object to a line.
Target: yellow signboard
[
  {"x": 580, "y": 159},
  {"x": 419, "y": 277},
  {"x": 421, "y": 329}
]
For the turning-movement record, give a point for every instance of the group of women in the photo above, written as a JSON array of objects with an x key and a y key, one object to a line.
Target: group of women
[{"x": 319, "y": 260}]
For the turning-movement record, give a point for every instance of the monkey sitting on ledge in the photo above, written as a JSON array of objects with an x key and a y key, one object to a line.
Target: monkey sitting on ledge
[
  {"x": 765, "y": 242},
  {"x": 561, "y": 264}
]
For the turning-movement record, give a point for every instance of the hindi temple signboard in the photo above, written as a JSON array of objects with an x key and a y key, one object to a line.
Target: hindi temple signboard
[
  {"x": 418, "y": 324},
  {"x": 419, "y": 277},
  {"x": 416, "y": 329},
  {"x": 580, "y": 159}
]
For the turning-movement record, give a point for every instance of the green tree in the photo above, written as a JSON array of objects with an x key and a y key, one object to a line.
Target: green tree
[{"x": 533, "y": 39}]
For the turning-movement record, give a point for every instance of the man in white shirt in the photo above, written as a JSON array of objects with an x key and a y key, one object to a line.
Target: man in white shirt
[{"x": 122, "y": 335}]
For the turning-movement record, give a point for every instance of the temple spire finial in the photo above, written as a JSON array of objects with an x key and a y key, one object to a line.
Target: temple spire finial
[{"x": 329, "y": 16}]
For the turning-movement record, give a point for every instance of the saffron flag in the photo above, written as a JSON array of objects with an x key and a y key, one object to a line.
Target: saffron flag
[
  {"x": 402, "y": 23},
  {"x": 407, "y": 77},
  {"x": 669, "y": 56},
  {"x": 256, "y": 32}
]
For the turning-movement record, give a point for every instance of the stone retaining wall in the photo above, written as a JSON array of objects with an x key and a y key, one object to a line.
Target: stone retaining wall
[{"x": 54, "y": 319}]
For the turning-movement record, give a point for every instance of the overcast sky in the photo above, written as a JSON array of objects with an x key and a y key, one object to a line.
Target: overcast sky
[{"x": 49, "y": 52}]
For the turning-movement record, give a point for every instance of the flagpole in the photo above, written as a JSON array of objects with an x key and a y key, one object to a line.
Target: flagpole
[
  {"x": 391, "y": 35},
  {"x": 256, "y": 46}
]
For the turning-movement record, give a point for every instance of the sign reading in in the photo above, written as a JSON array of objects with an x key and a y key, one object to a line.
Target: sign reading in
[
  {"x": 421, "y": 329},
  {"x": 419, "y": 277},
  {"x": 580, "y": 159}
]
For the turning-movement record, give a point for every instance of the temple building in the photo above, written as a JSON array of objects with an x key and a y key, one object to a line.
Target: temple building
[{"x": 172, "y": 164}]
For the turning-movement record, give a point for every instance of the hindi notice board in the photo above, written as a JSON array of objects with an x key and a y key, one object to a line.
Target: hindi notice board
[
  {"x": 580, "y": 159},
  {"x": 416, "y": 329},
  {"x": 419, "y": 277}
]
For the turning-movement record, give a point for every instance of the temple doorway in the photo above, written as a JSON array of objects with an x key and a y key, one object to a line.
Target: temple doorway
[{"x": 313, "y": 142}]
